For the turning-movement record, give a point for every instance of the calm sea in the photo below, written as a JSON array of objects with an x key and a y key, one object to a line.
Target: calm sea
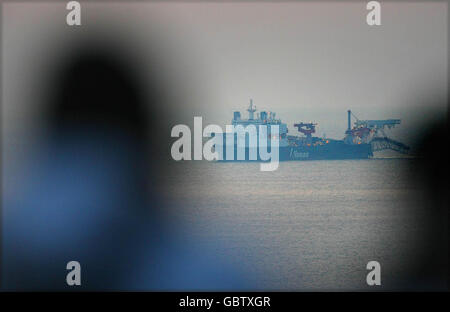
[{"x": 310, "y": 225}]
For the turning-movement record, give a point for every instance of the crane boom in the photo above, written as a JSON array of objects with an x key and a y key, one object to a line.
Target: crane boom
[{"x": 377, "y": 124}]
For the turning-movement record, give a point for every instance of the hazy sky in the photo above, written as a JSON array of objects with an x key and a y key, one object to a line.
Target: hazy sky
[{"x": 306, "y": 61}]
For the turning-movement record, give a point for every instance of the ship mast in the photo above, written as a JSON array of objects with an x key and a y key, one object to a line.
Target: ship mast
[{"x": 251, "y": 110}]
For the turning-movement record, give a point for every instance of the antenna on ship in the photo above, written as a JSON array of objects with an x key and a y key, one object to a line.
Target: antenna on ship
[
  {"x": 251, "y": 110},
  {"x": 349, "y": 120}
]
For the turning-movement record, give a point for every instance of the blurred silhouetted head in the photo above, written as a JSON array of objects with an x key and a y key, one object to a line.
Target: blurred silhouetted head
[{"x": 100, "y": 97}]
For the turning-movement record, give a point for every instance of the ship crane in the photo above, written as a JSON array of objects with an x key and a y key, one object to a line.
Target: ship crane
[
  {"x": 306, "y": 128},
  {"x": 368, "y": 130},
  {"x": 377, "y": 125}
]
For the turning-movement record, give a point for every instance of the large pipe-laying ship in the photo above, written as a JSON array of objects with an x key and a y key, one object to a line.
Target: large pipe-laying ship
[{"x": 360, "y": 140}]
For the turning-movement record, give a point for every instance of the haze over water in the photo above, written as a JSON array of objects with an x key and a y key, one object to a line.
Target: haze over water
[
  {"x": 311, "y": 225},
  {"x": 308, "y": 225}
]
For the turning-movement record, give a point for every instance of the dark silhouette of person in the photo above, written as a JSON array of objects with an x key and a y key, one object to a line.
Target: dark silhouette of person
[{"x": 90, "y": 192}]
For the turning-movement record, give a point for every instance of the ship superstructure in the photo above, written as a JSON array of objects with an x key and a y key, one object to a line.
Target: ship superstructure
[
  {"x": 262, "y": 118},
  {"x": 359, "y": 142}
]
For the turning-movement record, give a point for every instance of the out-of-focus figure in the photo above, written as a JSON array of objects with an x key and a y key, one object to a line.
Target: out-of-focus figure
[{"x": 88, "y": 193}]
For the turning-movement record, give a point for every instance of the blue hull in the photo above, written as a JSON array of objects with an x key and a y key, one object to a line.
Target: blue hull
[{"x": 333, "y": 150}]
